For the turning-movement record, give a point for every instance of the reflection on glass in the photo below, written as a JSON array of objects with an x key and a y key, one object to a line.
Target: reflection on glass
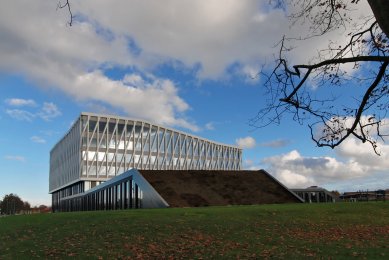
[
  {"x": 92, "y": 170},
  {"x": 129, "y": 128},
  {"x": 120, "y": 129},
  {"x": 110, "y": 157},
  {"x": 103, "y": 170},
  {"x": 92, "y": 125},
  {"x": 102, "y": 126},
  {"x": 121, "y": 144},
  {"x": 93, "y": 143},
  {"x": 111, "y": 170}
]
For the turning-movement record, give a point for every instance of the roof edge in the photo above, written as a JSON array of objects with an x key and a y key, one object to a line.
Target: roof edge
[
  {"x": 156, "y": 124},
  {"x": 282, "y": 185}
]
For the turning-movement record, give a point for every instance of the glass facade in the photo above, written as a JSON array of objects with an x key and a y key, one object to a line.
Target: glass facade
[
  {"x": 99, "y": 147},
  {"x": 111, "y": 146},
  {"x": 124, "y": 194}
]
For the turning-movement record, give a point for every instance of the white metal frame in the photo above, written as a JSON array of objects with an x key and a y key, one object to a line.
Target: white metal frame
[{"x": 99, "y": 147}]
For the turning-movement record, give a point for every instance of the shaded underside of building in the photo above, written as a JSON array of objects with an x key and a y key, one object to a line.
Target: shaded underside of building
[
  {"x": 181, "y": 188},
  {"x": 315, "y": 194}
]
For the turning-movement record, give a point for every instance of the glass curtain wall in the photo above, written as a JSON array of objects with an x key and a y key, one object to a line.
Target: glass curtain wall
[{"x": 111, "y": 146}]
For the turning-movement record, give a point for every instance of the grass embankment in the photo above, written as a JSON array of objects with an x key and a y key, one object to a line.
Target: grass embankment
[{"x": 340, "y": 230}]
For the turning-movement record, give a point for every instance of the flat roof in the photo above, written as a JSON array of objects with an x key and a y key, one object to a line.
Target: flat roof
[{"x": 139, "y": 120}]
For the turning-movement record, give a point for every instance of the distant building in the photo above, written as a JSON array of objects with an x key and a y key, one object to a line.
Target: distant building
[
  {"x": 365, "y": 195},
  {"x": 315, "y": 194},
  {"x": 100, "y": 147}
]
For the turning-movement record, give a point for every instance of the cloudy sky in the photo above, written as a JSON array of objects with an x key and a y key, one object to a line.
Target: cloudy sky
[{"x": 190, "y": 65}]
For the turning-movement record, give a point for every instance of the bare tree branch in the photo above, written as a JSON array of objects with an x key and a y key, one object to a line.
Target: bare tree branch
[
  {"x": 329, "y": 120},
  {"x": 66, "y": 4}
]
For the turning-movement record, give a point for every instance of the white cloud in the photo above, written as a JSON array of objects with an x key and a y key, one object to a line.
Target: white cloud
[
  {"x": 153, "y": 98},
  {"x": 18, "y": 102},
  {"x": 213, "y": 34},
  {"x": 251, "y": 73},
  {"x": 37, "y": 139},
  {"x": 139, "y": 36},
  {"x": 213, "y": 124},
  {"x": 353, "y": 149},
  {"x": 246, "y": 142},
  {"x": 15, "y": 158},
  {"x": 294, "y": 180},
  {"x": 276, "y": 143},
  {"x": 210, "y": 126},
  {"x": 21, "y": 115},
  {"x": 49, "y": 111},
  {"x": 97, "y": 107},
  {"x": 73, "y": 59},
  {"x": 249, "y": 164},
  {"x": 340, "y": 125},
  {"x": 297, "y": 171}
]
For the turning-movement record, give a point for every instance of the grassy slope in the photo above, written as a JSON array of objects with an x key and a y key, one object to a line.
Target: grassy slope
[{"x": 337, "y": 230}]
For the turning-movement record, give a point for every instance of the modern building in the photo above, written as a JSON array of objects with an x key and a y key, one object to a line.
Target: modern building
[
  {"x": 354, "y": 196},
  {"x": 181, "y": 188},
  {"x": 315, "y": 194},
  {"x": 100, "y": 147}
]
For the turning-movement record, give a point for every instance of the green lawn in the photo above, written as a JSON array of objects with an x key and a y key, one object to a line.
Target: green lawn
[{"x": 340, "y": 230}]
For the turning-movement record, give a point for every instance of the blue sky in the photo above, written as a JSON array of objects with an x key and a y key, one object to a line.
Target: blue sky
[{"x": 189, "y": 65}]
